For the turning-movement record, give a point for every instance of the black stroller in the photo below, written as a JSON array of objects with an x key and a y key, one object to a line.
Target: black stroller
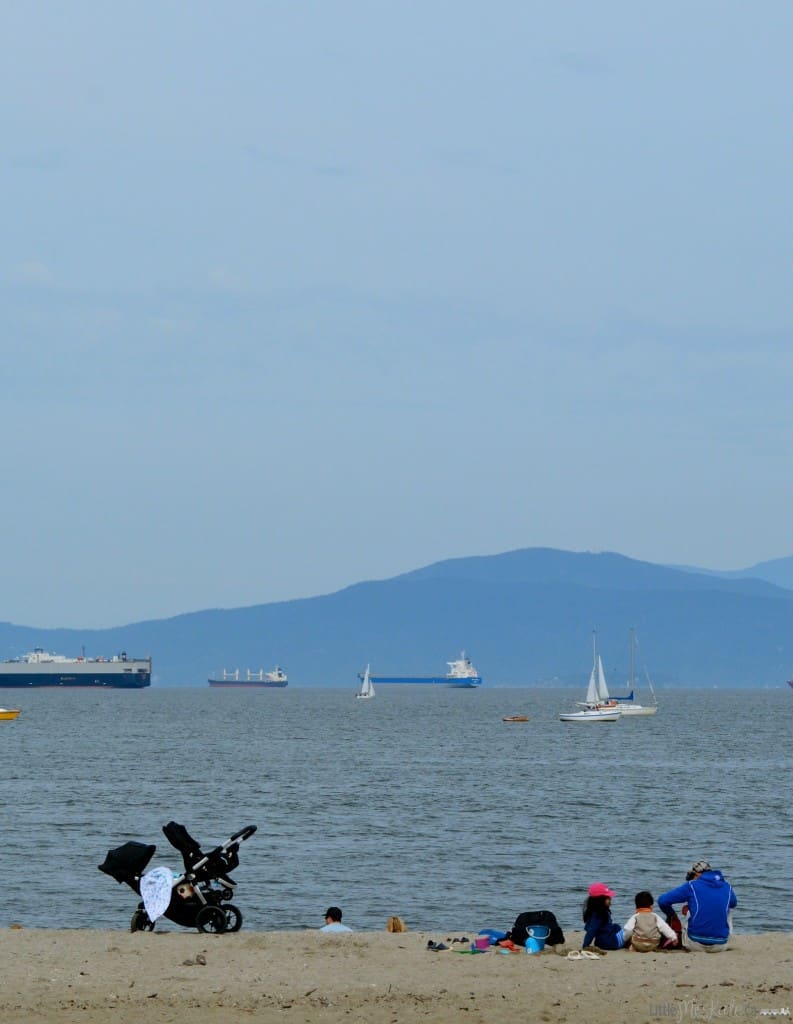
[{"x": 198, "y": 896}]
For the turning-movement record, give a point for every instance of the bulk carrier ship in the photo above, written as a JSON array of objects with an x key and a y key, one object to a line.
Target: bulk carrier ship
[
  {"x": 277, "y": 679},
  {"x": 39, "y": 668},
  {"x": 461, "y": 676}
]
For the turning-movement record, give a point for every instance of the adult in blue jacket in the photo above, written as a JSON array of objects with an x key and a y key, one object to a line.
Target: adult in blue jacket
[{"x": 709, "y": 898}]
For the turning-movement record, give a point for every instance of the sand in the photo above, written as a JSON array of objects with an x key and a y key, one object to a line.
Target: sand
[{"x": 190, "y": 978}]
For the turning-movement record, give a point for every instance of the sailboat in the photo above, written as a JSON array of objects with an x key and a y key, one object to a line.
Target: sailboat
[
  {"x": 598, "y": 706},
  {"x": 629, "y": 706},
  {"x": 367, "y": 690}
]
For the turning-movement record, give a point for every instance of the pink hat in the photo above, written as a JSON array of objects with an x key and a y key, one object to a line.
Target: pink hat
[{"x": 599, "y": 889}]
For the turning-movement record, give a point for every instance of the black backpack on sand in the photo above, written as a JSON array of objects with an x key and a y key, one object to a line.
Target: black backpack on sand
[{"x": 526, "y": 920}]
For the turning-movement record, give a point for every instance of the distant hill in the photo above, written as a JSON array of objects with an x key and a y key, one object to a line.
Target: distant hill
[
  {"x": 524, "y": 617},
  {"x": 778, "y": 571}
]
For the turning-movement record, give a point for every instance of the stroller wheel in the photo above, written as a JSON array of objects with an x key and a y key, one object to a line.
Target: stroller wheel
[
  {"x": 210, "y": 919},
  {"x": 233, "y": 917},
  {"x": 140, "y": 922}
]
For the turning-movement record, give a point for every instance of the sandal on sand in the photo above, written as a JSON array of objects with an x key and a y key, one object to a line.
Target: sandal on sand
[{"x": 582, "y": 954}]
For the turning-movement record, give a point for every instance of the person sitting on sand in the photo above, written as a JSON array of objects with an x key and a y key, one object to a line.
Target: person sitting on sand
[
  {"x": 333, "y": 921},
  {"x": 645, "y": 931},
  {"x": 710, "y": 898},
  {"x": 395, "y": 924},
  {"x": 600, "y": 930}
]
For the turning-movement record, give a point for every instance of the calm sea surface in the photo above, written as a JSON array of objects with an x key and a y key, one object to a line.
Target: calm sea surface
[{"x": 421, "y": 802}]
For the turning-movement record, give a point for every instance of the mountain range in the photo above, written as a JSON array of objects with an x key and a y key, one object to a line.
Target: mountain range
[{"x": 524, "y": 617}]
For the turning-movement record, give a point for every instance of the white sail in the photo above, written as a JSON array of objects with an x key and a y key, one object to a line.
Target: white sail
[
  {"x": 367, "y": 689},
  {"x": 597, "y": 695},
  {"x": 592, "y": 689},
  {"x": 602, "y": 689}
]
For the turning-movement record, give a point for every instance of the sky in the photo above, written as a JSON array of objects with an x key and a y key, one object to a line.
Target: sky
[{"x": 297, "y": 294}]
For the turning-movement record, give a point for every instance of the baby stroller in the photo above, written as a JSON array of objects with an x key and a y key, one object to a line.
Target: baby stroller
[{"x": 199, "y": 895}]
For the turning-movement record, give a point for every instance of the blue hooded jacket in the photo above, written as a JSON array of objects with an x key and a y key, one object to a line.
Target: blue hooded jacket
[{"x": 710, "y": 898}]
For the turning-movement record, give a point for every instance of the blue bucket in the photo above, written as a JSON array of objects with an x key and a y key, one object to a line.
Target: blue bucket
[{"x": 537, "y": 934}]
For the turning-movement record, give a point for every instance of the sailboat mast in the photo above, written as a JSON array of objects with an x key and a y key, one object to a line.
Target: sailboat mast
[{"x": 632, "y": 671}]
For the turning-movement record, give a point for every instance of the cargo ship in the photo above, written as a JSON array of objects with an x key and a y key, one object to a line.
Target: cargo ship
[
  {"x": 39, "y": 668},
  {"x": 277, "y": 678},
  {"x": 461, "y": 675}
]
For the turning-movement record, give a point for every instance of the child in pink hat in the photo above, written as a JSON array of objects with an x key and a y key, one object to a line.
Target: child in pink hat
[{"x": 599, "y": 930}]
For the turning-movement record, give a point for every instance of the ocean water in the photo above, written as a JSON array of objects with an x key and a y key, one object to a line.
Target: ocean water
[{"x": 421, "y": 802}]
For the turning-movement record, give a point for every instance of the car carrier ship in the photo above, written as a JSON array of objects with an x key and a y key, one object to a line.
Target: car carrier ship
[{"x": 40, "y": 668}]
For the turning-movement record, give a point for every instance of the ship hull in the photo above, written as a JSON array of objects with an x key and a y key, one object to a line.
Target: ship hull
[
  {"x": 243, "y": 684},
  {"x": 457, "y": 684},
  {"x": 62, "y": 680}
]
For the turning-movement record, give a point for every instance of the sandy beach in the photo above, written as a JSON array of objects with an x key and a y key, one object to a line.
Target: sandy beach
[{"x": 190, "y": 978}]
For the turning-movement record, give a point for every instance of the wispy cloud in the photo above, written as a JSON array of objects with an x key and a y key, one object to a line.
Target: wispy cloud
[
  {"x": 582, "y": 62},
  {"x": 31, "y": 272},
  {"x": 45, "y": 158}
]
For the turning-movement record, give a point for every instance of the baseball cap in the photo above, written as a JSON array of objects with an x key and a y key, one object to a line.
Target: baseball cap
[{"x": 599, "y": 889}]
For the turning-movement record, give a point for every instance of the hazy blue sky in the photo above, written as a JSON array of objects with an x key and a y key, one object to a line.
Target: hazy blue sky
[{"x": 296, "y": 294}]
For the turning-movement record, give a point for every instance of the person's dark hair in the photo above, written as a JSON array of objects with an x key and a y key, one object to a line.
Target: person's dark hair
[
  {"x": 643, "y": 899},
  {"x": 595, "y": 905},
  {"x": 334, "y": 913}
]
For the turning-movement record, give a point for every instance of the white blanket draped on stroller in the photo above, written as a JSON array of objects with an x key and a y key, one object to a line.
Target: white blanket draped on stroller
[{"x": 155, "y": 891}]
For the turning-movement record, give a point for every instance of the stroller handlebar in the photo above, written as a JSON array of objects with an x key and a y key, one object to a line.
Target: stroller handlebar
[{"x": 244, "y": 833}]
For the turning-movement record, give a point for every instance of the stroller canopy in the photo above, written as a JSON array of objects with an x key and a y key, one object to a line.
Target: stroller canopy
[
  {"x": 127, "y": 861},
  {"x": 178, "y": 836},
  {"x": 215, "y": 864}
]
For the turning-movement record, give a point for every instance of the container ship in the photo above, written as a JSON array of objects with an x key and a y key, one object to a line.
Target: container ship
[
  {"x": 461, "y": 675},
  {"x": 277, "y": 678},
  {"x": 39, "y": 668}
]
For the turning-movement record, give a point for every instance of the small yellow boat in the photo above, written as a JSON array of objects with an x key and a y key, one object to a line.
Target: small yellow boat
[
  {"x": 516, "y": 718},
  {"x": 8, "y": 714}
]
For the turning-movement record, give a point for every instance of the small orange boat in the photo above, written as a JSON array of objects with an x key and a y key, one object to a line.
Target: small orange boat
[
  {"x": 8, "y": 714},
  {"x": 516, "y": 718}
]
